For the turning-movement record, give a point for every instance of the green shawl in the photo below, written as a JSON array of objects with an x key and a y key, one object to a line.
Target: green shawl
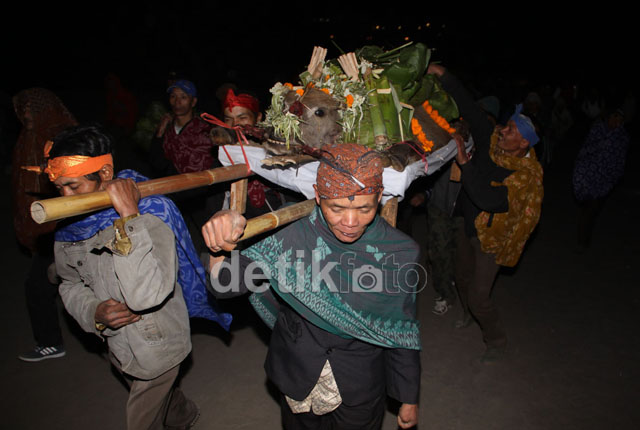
[{"x": 364, "y": 290}]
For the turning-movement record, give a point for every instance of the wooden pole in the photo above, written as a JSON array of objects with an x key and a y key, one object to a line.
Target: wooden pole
[
  {"x": 282, "y": 216},
  {"x": 238, "y": 197},
  {"x": 64, "y": 207},
  {"x": 390, "y": 211}
]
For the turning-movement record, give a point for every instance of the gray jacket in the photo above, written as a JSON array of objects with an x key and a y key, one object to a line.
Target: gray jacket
[{"x": 93, "y": 271}]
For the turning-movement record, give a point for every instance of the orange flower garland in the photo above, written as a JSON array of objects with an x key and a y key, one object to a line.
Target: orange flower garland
[
  {"x": 417, "y": 131},
  {"x": 435, "y": 116},
  {"x": 300, "y": 91}
]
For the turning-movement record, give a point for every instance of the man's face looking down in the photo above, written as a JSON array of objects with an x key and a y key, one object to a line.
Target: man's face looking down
[{"x": 348, "y": 218}]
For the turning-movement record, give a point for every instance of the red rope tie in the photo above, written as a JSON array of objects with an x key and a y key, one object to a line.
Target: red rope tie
[{"x": 239, "y": 134}]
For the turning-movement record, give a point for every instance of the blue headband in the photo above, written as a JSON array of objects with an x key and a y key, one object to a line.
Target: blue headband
[{"x": 525, "y": 126}]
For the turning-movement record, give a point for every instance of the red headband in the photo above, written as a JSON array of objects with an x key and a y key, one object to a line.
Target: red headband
[{"x": 243, "y": 100}]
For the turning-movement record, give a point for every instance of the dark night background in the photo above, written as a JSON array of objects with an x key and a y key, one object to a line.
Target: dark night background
[{"x": 255, "y": 46}]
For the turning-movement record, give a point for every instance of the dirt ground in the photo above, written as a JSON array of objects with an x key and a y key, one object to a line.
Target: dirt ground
[{"x": 572, "y": 320}]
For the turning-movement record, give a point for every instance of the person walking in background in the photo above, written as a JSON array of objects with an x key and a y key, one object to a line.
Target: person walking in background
[
  {"x": 43, "y": 115},
  {"x": 500, "y": 205},
  {"x": 598, "y": 167}
]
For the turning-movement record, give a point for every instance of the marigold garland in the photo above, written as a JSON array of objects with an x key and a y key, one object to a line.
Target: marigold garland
[
  {"x": 435, "y": 116},
  {"x": 419, "y": 133}
]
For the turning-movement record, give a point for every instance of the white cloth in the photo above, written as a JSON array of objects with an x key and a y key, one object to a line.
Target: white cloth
[{"x": 302, "y": 178}]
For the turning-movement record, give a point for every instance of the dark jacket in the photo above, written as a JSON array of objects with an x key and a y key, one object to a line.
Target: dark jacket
[
  {"x": 477, "y": 193},
  {"x": 298, "y": 350}
]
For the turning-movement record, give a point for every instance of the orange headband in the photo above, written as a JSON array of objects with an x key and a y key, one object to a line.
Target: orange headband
[
  {"x": 74, "y": 166},
  {"x": 71, "y": 166}
]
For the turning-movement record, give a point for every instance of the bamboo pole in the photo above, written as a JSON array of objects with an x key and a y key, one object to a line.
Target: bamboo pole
[
  {"x": 390, "y": 211},
  {"x": 64, "y": 207},
  {"x": 280, "y": 217},
  {"x": 238, "y": 197},
  {"x": 275, "y": 219},
  {"x": 380, "y": 137}
]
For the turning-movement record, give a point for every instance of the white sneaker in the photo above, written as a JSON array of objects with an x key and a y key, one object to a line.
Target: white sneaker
[{"x": 441, "y": 307}]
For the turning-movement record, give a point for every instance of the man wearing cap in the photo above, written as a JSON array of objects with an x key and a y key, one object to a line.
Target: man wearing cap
[
  {"x": 183, "y": 135},
  {"x": 340, "y": 299},
  {"x": 182, "y": 145},
  {"x": 130, "y": 275},
  {"x": 500, "y": 203}
]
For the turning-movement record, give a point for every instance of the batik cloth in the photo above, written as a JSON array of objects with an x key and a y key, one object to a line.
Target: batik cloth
[
  {"x": 191, "y": 273},
  {"x": 190, "y": 150},
  {"x": 505, "y": 234},
  {"x": 600, "y": 162},
  {"x": 364, "y": 290},
  {"x": 348, "y": 169},
  {"x": 323, "y": 398}
]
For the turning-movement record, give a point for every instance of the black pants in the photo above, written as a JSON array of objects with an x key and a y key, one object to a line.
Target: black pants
[
  {"x": 41, "y": 302},
  {"x": 476, "y": 272},
  {"x": 441, "y": 252},
  {"x": 588, "y": 212},
  {"x": 367, "y": 416}
]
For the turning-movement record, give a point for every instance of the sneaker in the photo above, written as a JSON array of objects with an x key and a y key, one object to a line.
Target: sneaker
[
  {"x": 441, "y": 306},
  {"x": 40, "y": 353}
]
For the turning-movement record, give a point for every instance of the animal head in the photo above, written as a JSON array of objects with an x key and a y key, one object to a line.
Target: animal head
[{"x": 319, "y": 116}]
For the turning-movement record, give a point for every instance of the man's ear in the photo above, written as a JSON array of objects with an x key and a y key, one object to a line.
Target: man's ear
[
  {"x": 380, "y": 195},
  {"x": 315, "y": 188},
  {"x": 259, "y": 117},
  {"x": 194, "y": 102},
  {"x": 106, "y": 173},
  {"x": 524, "y": 143}
]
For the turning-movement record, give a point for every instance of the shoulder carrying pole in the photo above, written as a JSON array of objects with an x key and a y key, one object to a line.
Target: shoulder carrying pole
[{"x": 63, "y": 207}]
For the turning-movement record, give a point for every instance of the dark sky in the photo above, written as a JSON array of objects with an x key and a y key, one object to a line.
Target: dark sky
[{"x": 210, "y": 44}]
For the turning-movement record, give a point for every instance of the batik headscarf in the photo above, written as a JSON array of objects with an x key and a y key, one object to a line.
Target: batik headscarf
[
  {"x": 43, "y": 116},
  {"x": 348, "y": 169},
  {"x": 191, "y": 273},
  {"x": 505, "y": 234}
]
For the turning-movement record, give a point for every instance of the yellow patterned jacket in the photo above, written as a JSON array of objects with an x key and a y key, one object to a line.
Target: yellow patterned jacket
[{"x": 505, "y": 234}]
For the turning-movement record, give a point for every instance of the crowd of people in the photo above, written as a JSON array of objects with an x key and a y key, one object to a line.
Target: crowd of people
[{"x": 135, "y": 274}]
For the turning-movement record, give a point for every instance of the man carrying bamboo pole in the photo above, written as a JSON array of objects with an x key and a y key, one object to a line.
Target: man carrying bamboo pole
[
  {"x": 499, "y": 204},
  {"x": 341, "y": 299},
  {"x": 239, "y": 110},
  {"x": 129, "y": 275}
]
